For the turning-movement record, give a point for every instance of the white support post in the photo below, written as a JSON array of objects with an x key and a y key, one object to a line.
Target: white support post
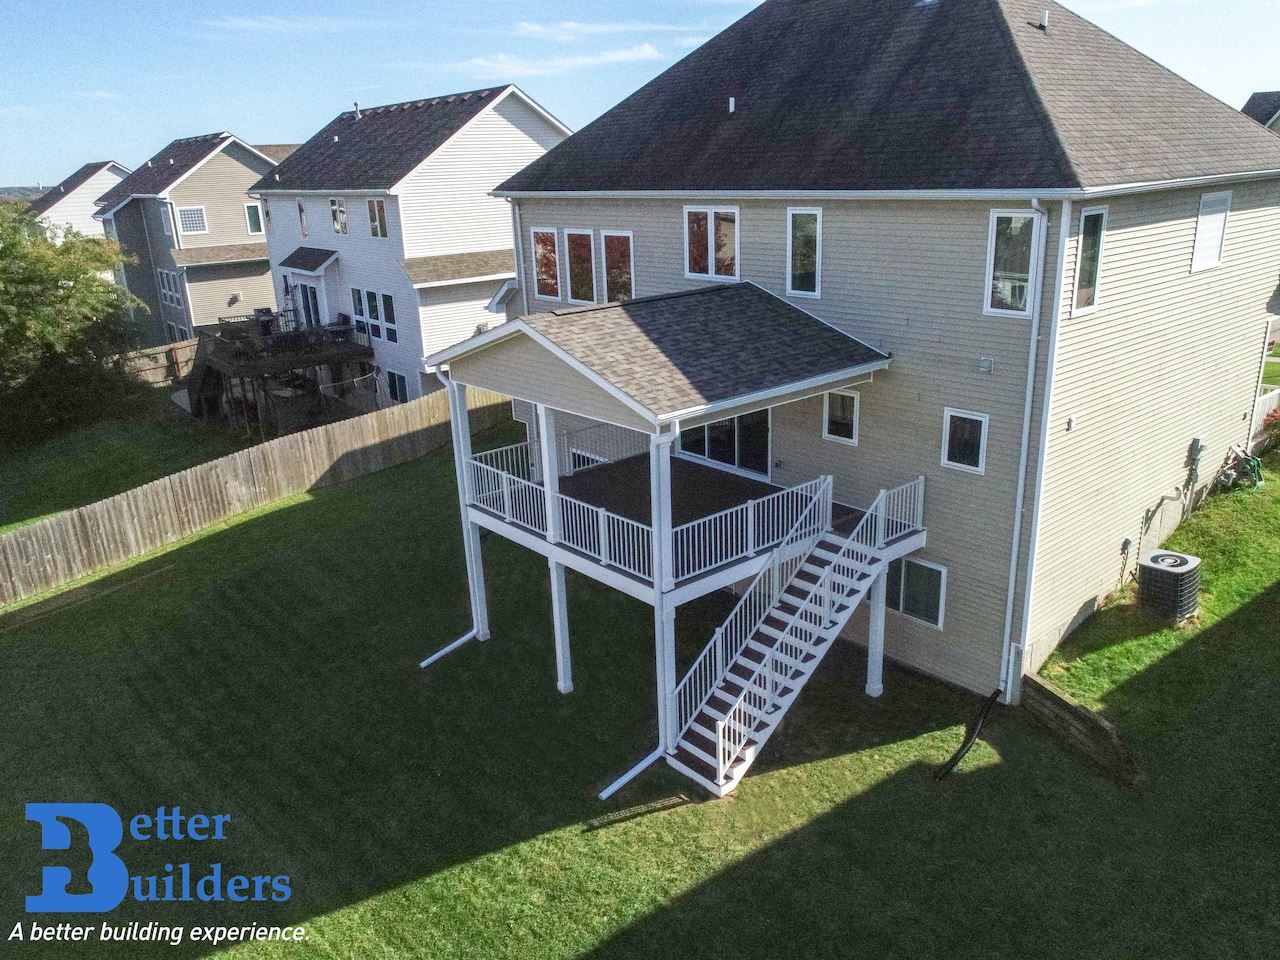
[
  {"x": 660, "y": 510},
  {"x": 460, "y": 427},
  {"x": 664, "y": 641},
  {"x": 875, "y": 637},
  {"x": 560, "y": 623},
  {"x": 546, "y": 419}
]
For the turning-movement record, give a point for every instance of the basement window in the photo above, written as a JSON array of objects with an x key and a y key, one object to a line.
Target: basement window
[
  {"x": 397, "y": 388},
  {"x": 917, "y": 589},
  {"x": 711, "y": 243}
]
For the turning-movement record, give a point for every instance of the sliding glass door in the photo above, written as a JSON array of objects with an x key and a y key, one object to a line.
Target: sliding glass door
[{"x": 741, "y": 442}]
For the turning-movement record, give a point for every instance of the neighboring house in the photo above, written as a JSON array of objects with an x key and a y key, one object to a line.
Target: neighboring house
[
  {"x": 1041, "y": 286},
  {"x": 1264, "y": 107},
  {"x": 72, "y": 203},
  {"x": 196, "y": 235},
  {"x": 384, "y": 217}
]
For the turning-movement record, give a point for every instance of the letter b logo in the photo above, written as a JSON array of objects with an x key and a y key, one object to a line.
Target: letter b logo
[{"x": 108, "y": 876}]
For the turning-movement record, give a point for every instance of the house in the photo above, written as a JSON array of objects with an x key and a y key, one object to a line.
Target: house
[
  {"x": 1264, "y": 106},
  {"x": 913, "y": 353},
  {"x": 70, "y": 205},
  {"x": 194, "y": 233},
  {"x": 384, "y": 218}
]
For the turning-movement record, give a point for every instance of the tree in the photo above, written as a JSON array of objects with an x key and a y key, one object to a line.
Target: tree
[{"x": 61, "y": 323}]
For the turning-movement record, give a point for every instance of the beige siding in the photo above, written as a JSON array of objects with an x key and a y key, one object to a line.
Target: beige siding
[
  {"x": 445, "y": 203},
  {"x": 212, "y": 288},
  {"x": 908, "y": 278},
  {"x": 528, "y": 372},
  {"x": 1167, "y": 356},
  {"x": 220, "y": 185}
]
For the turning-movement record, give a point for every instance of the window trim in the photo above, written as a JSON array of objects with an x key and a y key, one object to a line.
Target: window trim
[
  {"x": 604, "y": 260},
  {"x": 248, "y": 225},
  {"x": 568, "y": 267},
  {"x": 377, "y": 210},
  {"x": 1226, "y": 219},
  {"x": 533, "y": 252},
  {"x": 857, "y": 417},
  {"x": 902, "y": 586},
  {"x": 337, "y": 204},
  {"x": 169, "y": 288},
  {"x": 711, "y": 211},
  {"x": 304, "y": 229},
  {"x": 947, "y": 414},
  {"x": 203, "y": 216},
  {"x": 1033, "y": 274},
  {"x": 389, "y": 373},
  {"x": 679, "y": 451},
  {"x": 816, "y": 293},
  {"x": 1076, "y": 310},
  {"x": 166, "y": 219}
]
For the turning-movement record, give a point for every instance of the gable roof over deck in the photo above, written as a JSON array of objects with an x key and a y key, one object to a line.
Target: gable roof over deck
[
  {"x": 906, "y": 95},
  {"x": 655, "y": 360}
]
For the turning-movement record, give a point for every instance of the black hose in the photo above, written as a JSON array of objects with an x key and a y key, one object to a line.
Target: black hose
[{"x": 971, "y": 737}]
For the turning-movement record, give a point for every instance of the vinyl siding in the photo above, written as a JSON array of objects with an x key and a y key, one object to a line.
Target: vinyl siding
[
  {"x": 219, "y": 186},
  {"x": 908, "y": 278},
  {"x": 455, "y": 312},
  {"x": 140, "y": 277},
  {"x": 445, "y": 202},
  {"x": 1168, "y": 356},
  {"x": 211, "y": 289},
  {"x": 76, "y": 209}
]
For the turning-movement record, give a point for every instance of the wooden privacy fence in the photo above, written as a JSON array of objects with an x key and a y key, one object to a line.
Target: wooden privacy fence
[
  {"x": 74, "y": 544},
  {"x": 161, "y": 366}
]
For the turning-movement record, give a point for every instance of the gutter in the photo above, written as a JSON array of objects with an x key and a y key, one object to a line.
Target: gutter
[{"x": 524, "y": 287}]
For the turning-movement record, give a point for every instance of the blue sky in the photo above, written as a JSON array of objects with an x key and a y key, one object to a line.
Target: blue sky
[{"x": 118, "y": 80}]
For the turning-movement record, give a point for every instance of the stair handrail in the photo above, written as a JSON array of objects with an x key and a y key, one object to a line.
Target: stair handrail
[
  {"x": 716, "y": 657},
  {"x": 874, "y": 519}
]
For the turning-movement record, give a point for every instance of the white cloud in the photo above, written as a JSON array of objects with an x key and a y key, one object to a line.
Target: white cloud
[
  {"x": 571, "y": 31},
  {"x": 268, "y": 24},
  {"x": 509, "y": 65}
]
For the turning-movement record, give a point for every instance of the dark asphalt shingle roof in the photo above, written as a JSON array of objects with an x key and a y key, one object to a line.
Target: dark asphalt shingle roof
[
  {"x": 679, "y": 351},
  {"x": 77, "y": 179},
  {"x": 1262, "y": 106},
  {"x": 376, "y": 150},
  {"x": 308, "y": 258},
  {"x": 460, "y": 266},
  {"x": 221, "y": 253},
  {"x": 275, "y": 151},
  {"x": 906, "y": 95},
  {"x": 164, "y": 169}
]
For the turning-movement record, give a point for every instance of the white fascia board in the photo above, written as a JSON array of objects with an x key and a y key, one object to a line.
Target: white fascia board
[
  {"x": 372, "y": 192},
  {"x": 497, "y": 302},
  {"x": 430, "y": 284},
  {"x": 104, "y": 214}
]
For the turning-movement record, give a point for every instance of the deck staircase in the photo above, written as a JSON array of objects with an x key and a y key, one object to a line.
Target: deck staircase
[{"x": 739, "y": 689}]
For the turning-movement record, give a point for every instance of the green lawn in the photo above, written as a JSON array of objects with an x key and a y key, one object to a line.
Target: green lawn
[
  {"x": 1271, "y": 372},
  {"x": 139, "y": 439},
  {"x": 268, "y": 669}
]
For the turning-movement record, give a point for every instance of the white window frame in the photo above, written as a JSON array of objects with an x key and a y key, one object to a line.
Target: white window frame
[
  {"x": 266, "y": 215},
  {"x": 304, "y": 228},
  {"x": 193, "y": 233},
  {"x": 902, "y": 589},
  {"x": 533, "y": 253},
  {"x": 568, "y": 266},
  {"x": 947, "y": 414},
  {"x": 1199, "y": 266},
  {"x": 857, "y": 417},
  {"x": 711, "y": 212},
  {"x": 339, "y": 205},
  {"x": 248, "y": 225},
  {"x": 1077, "y": 310},
  {"x": 169, "y": 286},
  {"x": 378, "y": 218},
  {"x": 1033, "y": 274},
  {"x": 604, "y": 260},
  {"x": 816, "y": 293},
  {"x": 166, "y": 219},
  {"x": 679, "y": 450},
  {"x": 389, "y": 373}
]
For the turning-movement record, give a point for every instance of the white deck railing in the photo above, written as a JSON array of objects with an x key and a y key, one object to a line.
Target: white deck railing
[{"x": 613, "y": 540}]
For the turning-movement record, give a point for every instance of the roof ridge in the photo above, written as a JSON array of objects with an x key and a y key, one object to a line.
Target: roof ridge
[{"x": 427, "y": 101}]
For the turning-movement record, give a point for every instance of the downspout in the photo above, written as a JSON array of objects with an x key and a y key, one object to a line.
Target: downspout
[
  {"x": 1006, "y": 676},
  {"x": 1013, "y": 653},
  {"x": 524, "y": 287}
]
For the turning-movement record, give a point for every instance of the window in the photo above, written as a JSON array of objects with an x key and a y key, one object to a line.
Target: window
[
  {"x": 1211, "y": 230},
  {"x": 711, "y": 242},
  {"x": 165, "y": 219},
  {"x": 546, "y": 265},
  {"x": 377, "y": 218},
  {"x": 389, "y": 318},
  {"x": 917, "y": 589},
  {"x": 580, "y": 254},
  {"x": 253, "y": 218},
  {"x": 619, "y": 266},
  {"x": 840, "y": 416},
  {"x": 741, "y": 442},
  {"x": 302, "y": 220},
  {"x": 371, "y": 307},
  {"x": 170, "y": 285},
  {"x": 804, "y": 252},
  {"x": 266, "y": 214},
  {"x": 396, "y": 387},
  {"x": 192, "y": 220},
  {"x": 308, "y": 300},
  {"x": 177, "y": 332},
  {"x": 357, "y": 310},
  {"x": 1093, "y": 224},
  {"x": 964, "y": 440},
  {"x": 1010, "y": 262},
  {"x": 338, "y": 214}
]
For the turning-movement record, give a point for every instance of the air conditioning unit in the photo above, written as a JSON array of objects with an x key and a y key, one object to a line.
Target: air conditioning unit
[{"x": 1169, "y": 583}]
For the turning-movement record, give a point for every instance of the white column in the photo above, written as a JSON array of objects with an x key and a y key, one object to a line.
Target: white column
[
  {"x": 560, "y": 622},
  {"x": 460, "y": 426},
  {"x": 546, "y": 419},
  {"x": 875, "y": 637},
  {"x": 664, "y": 643},
  {"x": 660, "y": 510}
]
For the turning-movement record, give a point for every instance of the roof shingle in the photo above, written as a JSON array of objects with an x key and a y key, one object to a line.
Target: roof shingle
[
  {"x": 221, "y": 253},
  {"x": 164, "y": 169},
  {"x": 309, "y": 259},
  {"x": 77, "y": 179},
  {"x": 460, "y": 266},
  {"x": 1262, "y": 106}
]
